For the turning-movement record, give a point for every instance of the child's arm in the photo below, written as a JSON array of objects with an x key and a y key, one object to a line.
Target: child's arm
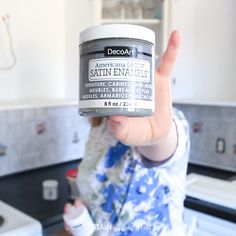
[
  {"x": 155, "y": 136},
  {"x": 162, "y": 149}
]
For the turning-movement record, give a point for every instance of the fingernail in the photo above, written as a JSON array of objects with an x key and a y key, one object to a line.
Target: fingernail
[
  {"x": 67, "y": 207},
  {"x": 78, "y": 203},
  {"x": 115, "y": 120}
]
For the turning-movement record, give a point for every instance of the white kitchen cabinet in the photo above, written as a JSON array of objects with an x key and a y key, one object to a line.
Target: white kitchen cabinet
[
  {"x": 182, "y": 19},
  {"x": 152, "y": 14},
  {"x": 205, "y": 70}
]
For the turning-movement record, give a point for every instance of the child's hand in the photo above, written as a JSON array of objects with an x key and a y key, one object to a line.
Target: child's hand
[
  {"x": 138, "y": 131},
  {"x": 67, "y": 208}
]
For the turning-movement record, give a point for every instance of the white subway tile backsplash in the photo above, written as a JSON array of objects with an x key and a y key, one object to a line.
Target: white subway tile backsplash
[
  {"x": 3, "y": 134},
  {"x": 40, "y": 136},
  {"x": 41, "y": 114},
  {"x": 4, "y": 170},
  {"x": 3, "y": 117},
  {"x": 28, "y": 115},
  {"x": 216, "y": 122},
  {"x": 56, "y": 112},
  {"x": 28, "y": 129},
  {"x": 43, "y": 136},
  {"x": 14, "y": 131},
  {"x": 30, "y": 160},
  {"x": 14, "y": 116}
]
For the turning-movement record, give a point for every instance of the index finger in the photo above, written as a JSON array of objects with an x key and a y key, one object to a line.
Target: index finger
[{"x": 169, "y": 56}]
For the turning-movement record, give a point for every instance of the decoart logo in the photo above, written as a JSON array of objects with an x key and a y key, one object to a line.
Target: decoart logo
[{"x": 120, "y": 52}]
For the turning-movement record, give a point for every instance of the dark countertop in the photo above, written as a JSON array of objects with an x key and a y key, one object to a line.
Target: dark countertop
[
  {"x": 211, "y": 172},
  {"x": 24, "y": 192},
  {"x": 206, "y": 207}
]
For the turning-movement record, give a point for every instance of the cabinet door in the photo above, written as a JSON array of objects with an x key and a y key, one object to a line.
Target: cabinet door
[
  {"x": 79, "y": 14},
  {"x": 182, "y": 19},
  {"x": 152, "y": 14},
  {"x": 206, "y": 65}
]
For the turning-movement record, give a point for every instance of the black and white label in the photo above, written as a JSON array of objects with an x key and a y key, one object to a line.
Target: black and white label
[
  {"x": 119, "y": 69},
  {"x": 118, "y": 51},
  {"x": 117, "y": 103},
  {"x": 118, "y": 82}
]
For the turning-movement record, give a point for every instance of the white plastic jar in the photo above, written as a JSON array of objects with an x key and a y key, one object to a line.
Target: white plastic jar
[
  {"x": 117, "y": 71},
  {"x": 79, "y": 221},
  {"x": 50, "y": 189}
]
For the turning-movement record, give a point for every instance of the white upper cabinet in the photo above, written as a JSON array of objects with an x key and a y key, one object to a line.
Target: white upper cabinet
[
  {"x": 151, "y": 14},
  {"x": 205, "y": 70}
]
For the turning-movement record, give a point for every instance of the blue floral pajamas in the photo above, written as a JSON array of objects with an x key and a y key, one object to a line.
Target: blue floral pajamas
[{"x": 127, "y": 194}]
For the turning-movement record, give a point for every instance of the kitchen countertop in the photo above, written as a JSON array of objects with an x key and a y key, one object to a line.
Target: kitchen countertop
[
  {"x": 212, "y": 172},
  {"x": 24, "y": 192},
  {"x": 206, "y": 207}
]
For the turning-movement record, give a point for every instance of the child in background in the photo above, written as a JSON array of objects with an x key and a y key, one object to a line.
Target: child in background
[{"x": 132, "y": 177}]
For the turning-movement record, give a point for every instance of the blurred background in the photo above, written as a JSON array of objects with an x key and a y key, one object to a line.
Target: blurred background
[
  {"x": 44, "y": 38},
  {"x": 42, "y": 136}
]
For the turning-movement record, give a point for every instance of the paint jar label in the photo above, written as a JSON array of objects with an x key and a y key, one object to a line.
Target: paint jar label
[{"x": 119, "y": 83}]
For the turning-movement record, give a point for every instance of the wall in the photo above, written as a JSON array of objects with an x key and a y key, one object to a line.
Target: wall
[
  {"x": 31, "y": 138},
  {"x": 79, "y": 14},
  {"x": 39, "y": 41},
  {"x": 207, "y": 124},
  {"x": 205, "y": 69},
  {"x": 215, "y": 55},
  {"x": 182, "y": 18}
]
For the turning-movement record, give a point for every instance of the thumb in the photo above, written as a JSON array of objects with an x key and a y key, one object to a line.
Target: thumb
[
  {"x": 67, "y": 208},
  {"x": 118, "y": 127}
]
